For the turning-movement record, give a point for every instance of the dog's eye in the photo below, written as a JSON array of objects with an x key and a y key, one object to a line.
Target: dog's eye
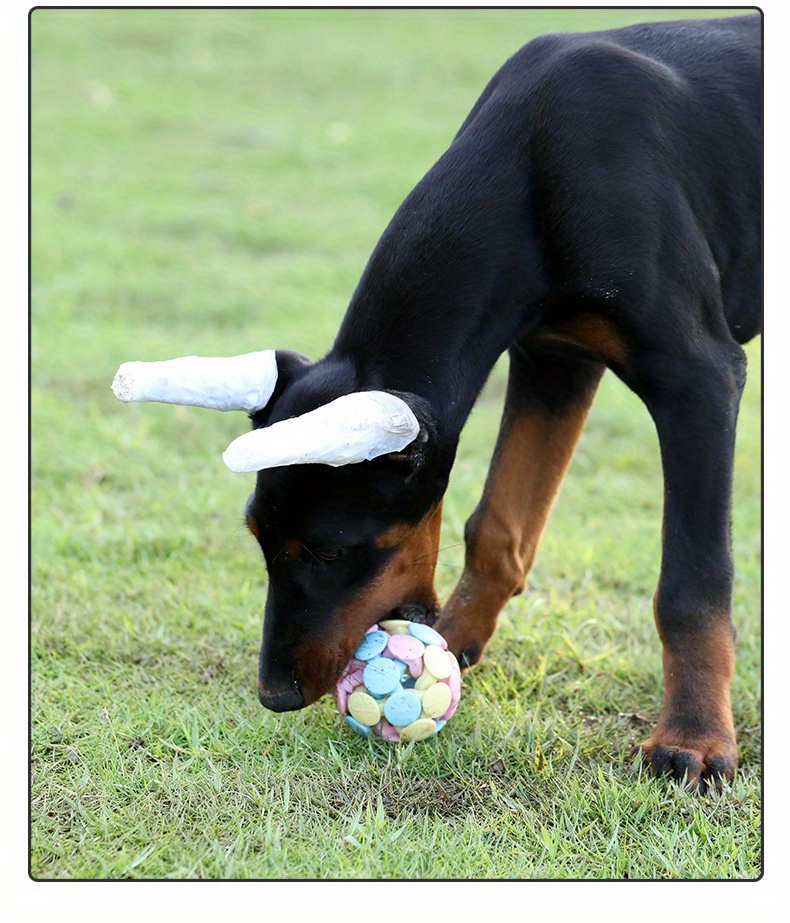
[{"x": 328, "y": 554}]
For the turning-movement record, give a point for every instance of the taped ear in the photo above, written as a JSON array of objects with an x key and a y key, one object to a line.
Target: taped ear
[
  {"x": 353, "y": 428},
  {"x": 243, "y": 382}
]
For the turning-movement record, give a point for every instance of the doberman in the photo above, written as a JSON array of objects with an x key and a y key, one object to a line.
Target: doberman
[{"x": 600, "y": 207}]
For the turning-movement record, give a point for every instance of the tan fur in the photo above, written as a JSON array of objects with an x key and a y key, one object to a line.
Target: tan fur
[
  {"x": 592, "y": 333},
  {"x": 697, "y": 676},
  {"x": 294, "y": 548},
  {"x": 531, "y": 458},
  {"x": 407, "y": 578}
]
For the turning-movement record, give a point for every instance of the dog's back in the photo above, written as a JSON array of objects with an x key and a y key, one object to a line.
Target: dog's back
[
  {"x": 641, "y": 135},
  {"x": 607, "y": 140}
]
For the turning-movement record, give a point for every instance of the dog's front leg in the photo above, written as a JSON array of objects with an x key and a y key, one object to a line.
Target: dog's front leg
[{"x": 548, "y": 398}]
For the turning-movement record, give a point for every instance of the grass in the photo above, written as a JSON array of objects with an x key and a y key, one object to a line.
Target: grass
[{"x": 213, "y": 182}]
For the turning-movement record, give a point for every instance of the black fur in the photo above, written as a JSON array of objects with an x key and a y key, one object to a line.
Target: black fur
[{"x": 615, "y": 174}]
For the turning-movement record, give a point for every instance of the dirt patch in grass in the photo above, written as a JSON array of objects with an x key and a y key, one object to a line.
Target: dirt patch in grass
[{"x": 402, "y": 795}]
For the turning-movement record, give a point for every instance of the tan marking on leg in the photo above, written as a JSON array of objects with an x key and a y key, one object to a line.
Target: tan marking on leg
[
  {"x": 695, "y": 729},
  {"x": 533, "y": 453}
]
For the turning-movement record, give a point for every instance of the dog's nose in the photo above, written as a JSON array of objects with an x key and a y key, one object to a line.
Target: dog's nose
[{"x": 283, "y": 700}]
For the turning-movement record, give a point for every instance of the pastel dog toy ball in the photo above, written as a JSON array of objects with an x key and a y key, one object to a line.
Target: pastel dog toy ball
[{"x": 402, "y": 684}]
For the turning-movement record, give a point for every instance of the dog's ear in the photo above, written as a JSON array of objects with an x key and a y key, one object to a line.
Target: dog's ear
[
  {"x": 410, "y": 459},
  {"x": 290, "y": 367},
  {"x": 352, "y": 428},
  {"x": 244, "y": 382},
  {"x": 407, "y": 459}
]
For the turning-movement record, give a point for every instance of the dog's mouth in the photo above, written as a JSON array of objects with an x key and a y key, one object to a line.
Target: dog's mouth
[
  {"x": 414, "y": 612},
  {"x": 320, "y": 674}
]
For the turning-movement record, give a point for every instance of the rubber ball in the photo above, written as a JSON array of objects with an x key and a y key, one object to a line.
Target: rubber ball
[{"x": 402, "y": 684}]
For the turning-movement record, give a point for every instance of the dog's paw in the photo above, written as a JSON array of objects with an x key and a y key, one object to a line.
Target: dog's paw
[{"x": 701, "y": 763}]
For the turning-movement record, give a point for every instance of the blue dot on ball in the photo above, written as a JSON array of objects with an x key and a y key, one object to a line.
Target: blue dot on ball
[
  {"x": 360, "y": 728},
  {"x": 425, "y": 633},
  {"x": 372, "y": 645},
  {"x": 381, "y": 676},
  {"x": 402, "y": 708}
]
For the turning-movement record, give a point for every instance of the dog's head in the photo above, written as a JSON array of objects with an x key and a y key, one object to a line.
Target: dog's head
[{"x": 346, "y": 506}]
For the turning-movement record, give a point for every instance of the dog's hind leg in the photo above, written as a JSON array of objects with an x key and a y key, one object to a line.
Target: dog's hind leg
[
  {"x": 692, "y": 392},
  {"x": 548, "y": 398}
]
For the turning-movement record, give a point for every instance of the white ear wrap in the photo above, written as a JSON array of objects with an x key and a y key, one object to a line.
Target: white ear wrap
[
  {"x": 356, "y": 427},
  {"x": 243, "y": 382}
]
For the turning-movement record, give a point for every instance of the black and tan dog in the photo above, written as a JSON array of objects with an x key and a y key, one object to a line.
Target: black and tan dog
[{"x": 599, "y": 208}]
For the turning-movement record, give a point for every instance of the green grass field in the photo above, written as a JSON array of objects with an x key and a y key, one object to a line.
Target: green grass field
[{"x": 213, "y": 182}]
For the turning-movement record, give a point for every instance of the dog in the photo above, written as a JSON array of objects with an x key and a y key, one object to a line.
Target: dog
[{"x": 600, "y": 207}]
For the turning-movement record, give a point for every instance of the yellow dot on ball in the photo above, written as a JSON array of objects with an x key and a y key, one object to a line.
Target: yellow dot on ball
[
  {"x": 364, "y": 708},
  {"x": 436, "y": 700},
  {"x": 418, "y": 730},
  {"x": 395, "y": 626},
  {"x": 437, "y": 662},
  {"x": 425, "y": 679}
]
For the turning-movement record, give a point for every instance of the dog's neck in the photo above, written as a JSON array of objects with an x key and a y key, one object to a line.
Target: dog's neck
[{"x": 452, "y": 283}]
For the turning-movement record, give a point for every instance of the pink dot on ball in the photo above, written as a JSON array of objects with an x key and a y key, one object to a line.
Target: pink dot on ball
[
  {"x": 405, "y": 647},
  {"x": 350, "y": 681},
  {"x": 450, "y": 711},
  {"x": 387, "y": 731},
  {"x": 415, "y": 667},
  {"x": 341, "y": 697},
  {"x": 353, "y": 667},
  {"x": 454, "y": 682}
]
